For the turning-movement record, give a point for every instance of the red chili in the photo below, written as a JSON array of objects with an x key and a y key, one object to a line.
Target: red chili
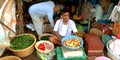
[{"x": 41, "y": 46}]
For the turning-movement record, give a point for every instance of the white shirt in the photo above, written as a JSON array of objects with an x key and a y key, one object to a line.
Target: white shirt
[
  {"x": 43, "y": 9},
  {"x": 64, "y": 27},
  {"x": 63, "y": 31}
]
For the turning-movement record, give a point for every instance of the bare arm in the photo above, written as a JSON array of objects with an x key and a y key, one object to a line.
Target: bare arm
[
  {"x": 75, "y": 33},
  {"x": 58, "y": 36}
]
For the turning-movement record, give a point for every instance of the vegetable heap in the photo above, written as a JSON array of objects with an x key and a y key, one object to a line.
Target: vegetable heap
[
  {"x": 21, "y": 42},
  {"x": 45, "y": 46},
  {"x": 41, "y": 46},
  {"x": 45, "y": 37},
  {"x": 72, "y": 42}
]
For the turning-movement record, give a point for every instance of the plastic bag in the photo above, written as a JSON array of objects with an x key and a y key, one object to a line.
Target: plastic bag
[
  {"x": 115, "y": 46},
  {"x": 4, "y": 42}
]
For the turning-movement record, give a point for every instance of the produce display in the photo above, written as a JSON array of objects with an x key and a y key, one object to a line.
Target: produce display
[
  {"x": 75, "y": 42},
  {"x": 21, "y": 42},
  {"x": 45, "y": 37},
  {"x": 84, "y": 22},
  {"x": 44, "y": 46}
]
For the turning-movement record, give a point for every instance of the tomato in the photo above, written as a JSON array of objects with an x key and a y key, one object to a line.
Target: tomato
[
  {"x": 41, "y": 46},
  {"x": 118, "y": 36}
]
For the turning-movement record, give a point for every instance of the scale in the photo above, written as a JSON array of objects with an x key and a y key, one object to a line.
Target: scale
[
  {"x": 65, "y": 54},
  {"x": 71, "y": 53}
]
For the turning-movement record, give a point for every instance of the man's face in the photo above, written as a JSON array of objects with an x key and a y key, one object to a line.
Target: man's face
[{"x": 65, "y": 16}]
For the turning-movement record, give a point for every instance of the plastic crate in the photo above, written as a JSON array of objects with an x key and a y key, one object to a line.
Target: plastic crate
[{"x": 60, "y": 55}]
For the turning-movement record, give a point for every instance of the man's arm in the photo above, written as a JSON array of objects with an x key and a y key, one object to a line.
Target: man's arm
[
  {"x": 58, "y": 36},
  {"x": 50, "y": 18}
]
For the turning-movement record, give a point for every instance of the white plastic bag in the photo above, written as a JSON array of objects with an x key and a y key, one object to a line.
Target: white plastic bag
[
  {"x": 115, "y": 46},
  {"x": 4, "y": 42}
]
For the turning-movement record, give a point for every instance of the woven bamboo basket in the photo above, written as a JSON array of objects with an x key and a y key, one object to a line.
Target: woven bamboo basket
[
  {"x": 96, "y": 31},
  {"x": 24, "y": 52},
  {"x": 45, "y": 34},
  {"x": 10, "y": 58}
]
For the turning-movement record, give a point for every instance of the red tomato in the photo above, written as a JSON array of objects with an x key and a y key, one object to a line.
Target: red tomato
[
  {"x": 118, "y": 36},
  {"x": 41, "y": 46}
]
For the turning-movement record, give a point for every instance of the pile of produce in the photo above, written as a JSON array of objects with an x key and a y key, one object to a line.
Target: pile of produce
[
  {"x": 72, "y": 42},
  {"x": 45, "y": 37},
  {"x": 21, "y": 42}
]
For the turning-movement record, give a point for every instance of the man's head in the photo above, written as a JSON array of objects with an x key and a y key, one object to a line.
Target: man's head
[
  {"x": 57, "y": 7},
  {"x": 65, "y": 15}
]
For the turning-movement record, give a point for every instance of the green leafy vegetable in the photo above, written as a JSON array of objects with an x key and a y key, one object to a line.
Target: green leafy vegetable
[
  {"x": 45, "y": 37},
  {"x": 21, "y": 42}
]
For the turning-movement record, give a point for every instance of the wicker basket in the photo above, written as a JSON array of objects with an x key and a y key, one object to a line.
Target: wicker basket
[
  {"x": 24, "y": 52},
  {"x": 45, "y": 34},
  {"x": 96, "y": 31},
  {"x": 45, "y": 51},
  {"x": 10, "y": 58}
]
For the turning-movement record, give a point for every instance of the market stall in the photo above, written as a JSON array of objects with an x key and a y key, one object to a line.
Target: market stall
[{"x": 98, "y": 30}]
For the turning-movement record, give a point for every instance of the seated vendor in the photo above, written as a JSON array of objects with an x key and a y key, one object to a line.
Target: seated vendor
[{"x": 64, "y": 26}]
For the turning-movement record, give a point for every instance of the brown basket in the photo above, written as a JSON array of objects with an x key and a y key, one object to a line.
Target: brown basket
[
  {"x": 45, "y": 34},
  {"x": 24, "y": 52},
  {"x": 10, "y": 58},
  {"x": 96, "y": 31}
]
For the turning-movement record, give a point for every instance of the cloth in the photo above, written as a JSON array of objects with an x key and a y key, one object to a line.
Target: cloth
[
  {"x": 115, "y": 14},
  {"x": 99, "y": 13},
  {"x": 8, "y": 17},
  {"x": 70, "y": 27},
  {"x": 40, "y": 10}
]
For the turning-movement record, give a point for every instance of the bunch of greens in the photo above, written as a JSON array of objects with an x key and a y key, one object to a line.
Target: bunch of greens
[
  {"x": 45, "y": 37},
  {"x": 21, "y": 42}
]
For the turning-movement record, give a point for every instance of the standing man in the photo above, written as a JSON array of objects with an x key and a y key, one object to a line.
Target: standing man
[{"x": 40, "y": 10}]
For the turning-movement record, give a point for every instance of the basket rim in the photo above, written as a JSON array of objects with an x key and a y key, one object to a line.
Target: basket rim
[
  {"x": 27, "y": 47},
  {"x": 10, "y": 57},
  {"x": 44, "y": 34}
]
